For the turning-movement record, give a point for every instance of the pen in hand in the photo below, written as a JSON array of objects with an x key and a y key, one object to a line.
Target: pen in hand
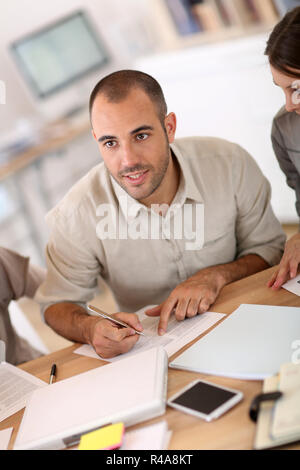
[
  {"x": 52, "y": 374},
  {"x": 99, "y": 312}
]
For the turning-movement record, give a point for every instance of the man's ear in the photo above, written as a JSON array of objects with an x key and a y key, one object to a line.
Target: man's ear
[
  {"x": 170, "y": 125},
  {"x": 94, "y": 135}
]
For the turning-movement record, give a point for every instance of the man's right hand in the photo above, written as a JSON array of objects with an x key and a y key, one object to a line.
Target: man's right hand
[{"x": 110, "y": 340}]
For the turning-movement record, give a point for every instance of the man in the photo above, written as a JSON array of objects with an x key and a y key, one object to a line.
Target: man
[
  {"x": 18, "y": 278},
  {"x": 146, "y": 174}
]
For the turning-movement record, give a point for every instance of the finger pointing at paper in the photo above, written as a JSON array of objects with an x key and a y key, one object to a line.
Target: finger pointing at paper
[
  {"x": 193, "y": 296},
  {"x": 199, "y": 292}
]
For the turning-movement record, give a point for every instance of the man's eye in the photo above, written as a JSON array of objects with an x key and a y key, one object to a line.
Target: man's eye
[
  {"x": 142, "y": 136},
  {"x": 110, "y": 143}
]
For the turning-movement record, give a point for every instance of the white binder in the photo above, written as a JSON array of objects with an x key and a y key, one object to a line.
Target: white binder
[{"x": 131, "y": 390}]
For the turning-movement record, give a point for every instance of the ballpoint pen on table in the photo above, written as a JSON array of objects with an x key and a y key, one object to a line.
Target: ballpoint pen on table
[
  {"x": 52, "y": 373},
  {"x": 102, "y": 314}
]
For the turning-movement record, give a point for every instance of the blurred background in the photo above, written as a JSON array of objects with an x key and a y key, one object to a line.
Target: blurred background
[{"x": 208, "y": 56}]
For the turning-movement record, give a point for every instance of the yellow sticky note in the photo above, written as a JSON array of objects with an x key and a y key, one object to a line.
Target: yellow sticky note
[{"x": 109, "y": 437}]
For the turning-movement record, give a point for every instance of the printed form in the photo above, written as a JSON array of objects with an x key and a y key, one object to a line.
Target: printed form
[
  {"x": 178, "y": 334},
  {"x": 16, "y": 387}
]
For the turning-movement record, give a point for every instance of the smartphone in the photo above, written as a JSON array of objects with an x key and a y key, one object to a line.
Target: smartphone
[{"x": 205, "y": 400}]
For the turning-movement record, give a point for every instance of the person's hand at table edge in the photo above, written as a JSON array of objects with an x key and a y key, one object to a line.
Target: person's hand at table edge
[{"x": 289, "y": 263}]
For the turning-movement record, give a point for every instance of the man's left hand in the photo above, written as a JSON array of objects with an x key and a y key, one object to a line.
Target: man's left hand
[{"x": 193, "y": 296}]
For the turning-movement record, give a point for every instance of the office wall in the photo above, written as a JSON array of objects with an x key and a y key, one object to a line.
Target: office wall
[
  {"x": 122, "y": 24},
  {"x": 226, "y": 90}
]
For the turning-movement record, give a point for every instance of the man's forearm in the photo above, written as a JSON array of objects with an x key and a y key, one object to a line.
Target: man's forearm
[
  {"x": 236, "y": 270},
  {"x": 71, "y": 321}
]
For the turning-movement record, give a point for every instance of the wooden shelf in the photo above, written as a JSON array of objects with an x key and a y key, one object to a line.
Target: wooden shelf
[{"x": 170, "y": 39}]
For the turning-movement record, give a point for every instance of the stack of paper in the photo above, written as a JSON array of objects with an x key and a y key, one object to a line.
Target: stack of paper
[{"x": 153, "y": 437}]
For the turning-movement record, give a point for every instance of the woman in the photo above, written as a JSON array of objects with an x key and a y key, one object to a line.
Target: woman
[{"x": 283, "y": 51}]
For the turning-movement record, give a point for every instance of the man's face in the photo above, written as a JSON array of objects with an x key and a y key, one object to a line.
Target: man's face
[
  {"x": 289, "y": 85},
  {"x": 133, "y": 143}
]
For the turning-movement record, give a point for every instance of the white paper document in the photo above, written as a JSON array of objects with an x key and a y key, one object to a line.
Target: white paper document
[
  {"x": 293, "y": 285},
  {"x": 16, "y": 387},
  {"x": 251, "y": 344},
  {"x": 178, "y": 334},
  {"x": 153, "y": 437},
  {"x": 5, "y": 438}
]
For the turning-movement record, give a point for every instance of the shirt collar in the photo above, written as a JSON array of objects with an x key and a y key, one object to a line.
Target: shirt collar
[{"x": 189, "y": 185}]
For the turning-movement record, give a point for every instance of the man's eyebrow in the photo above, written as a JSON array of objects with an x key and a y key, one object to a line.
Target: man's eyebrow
[
  {"x": 106, "y": 137},
  {"x": 142, "y": 128}
]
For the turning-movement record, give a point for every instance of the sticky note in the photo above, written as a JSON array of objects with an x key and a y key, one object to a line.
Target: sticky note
[{"x": 109, "y": 437}]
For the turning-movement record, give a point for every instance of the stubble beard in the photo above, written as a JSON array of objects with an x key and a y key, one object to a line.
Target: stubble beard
[{"x": 156, "y": 179}]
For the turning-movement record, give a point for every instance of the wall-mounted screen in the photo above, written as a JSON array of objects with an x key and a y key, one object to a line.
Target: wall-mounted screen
[{"x": 59, "y": 54}]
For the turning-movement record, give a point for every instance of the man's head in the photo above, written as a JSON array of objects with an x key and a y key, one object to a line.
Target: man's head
[
  {"x": 130, "y": 123},
  {"x": 117, "y": 86}
]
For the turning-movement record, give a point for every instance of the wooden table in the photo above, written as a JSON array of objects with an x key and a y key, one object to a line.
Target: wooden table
[{"x": 234, "y": 430}]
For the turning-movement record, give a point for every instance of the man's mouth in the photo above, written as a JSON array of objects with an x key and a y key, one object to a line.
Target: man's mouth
[{"x": 137, "y": 177}]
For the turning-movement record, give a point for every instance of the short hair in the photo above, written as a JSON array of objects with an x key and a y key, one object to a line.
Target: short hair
[
  {"x": 116, "y": 87},
  {"x": 283, "y": 45}
]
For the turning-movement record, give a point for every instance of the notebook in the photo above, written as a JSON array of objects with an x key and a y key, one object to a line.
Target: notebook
[
  {"x": 130, "y": 391},
  {"x": 279, "y": 422},
  {"x": 251, "y": 343},
  {"x": 286, "y": 416}
]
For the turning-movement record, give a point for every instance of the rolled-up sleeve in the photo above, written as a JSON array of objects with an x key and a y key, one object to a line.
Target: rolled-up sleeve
[
  {"x": 258, "y": 231},
  {"x": 72, "y": 267}
]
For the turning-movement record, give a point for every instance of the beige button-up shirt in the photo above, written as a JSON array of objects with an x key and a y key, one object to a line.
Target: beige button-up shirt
[{"x": 221, "y": 212}]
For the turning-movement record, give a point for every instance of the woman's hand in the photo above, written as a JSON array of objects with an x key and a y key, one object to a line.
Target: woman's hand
[{"x": 289, "y": 263}]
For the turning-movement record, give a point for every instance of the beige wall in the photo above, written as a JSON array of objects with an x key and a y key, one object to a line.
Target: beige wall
[{"x": 122, "y": 24}]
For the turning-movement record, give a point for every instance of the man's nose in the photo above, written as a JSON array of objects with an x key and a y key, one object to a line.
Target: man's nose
[{"x": 129, "y": 156}]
